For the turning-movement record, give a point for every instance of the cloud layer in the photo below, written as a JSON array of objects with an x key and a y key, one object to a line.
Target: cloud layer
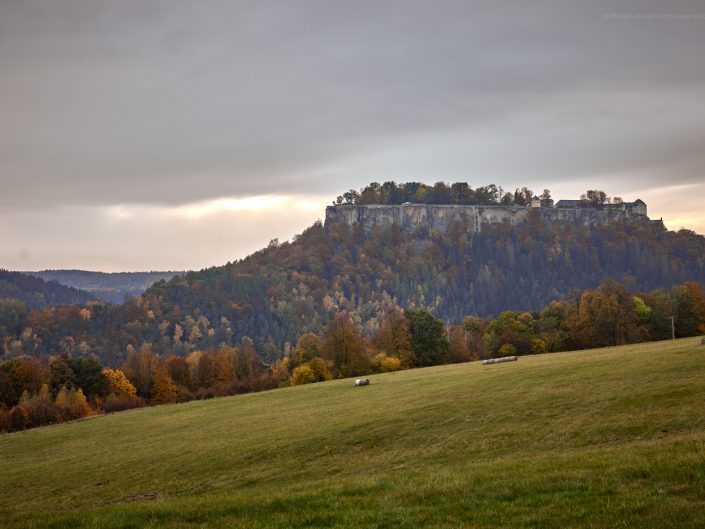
[{"x": 157, "y": 108}]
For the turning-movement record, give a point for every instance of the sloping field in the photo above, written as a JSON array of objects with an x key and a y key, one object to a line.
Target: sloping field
[{"x": 602, "y": 438}]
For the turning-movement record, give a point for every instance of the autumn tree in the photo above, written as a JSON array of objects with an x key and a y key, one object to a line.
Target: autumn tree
[
  {"x": 691, "y": 309},
  {"x": 118, "y": 383},
  {"x": 458, "y": 348},
  {"x": 42, "y": 409},
  {"x": 62, "y": 402},
  {"x": 515, "y": 328},
  {"x": 320, "y": 369},
  {"x": 394, "y": 337},
  {"x": 474, "y": 328},
  {"x": 140, "y": 368},
  {"x": 308, "y": 347},
  {"x": 384, "y": 364},
  {"x": 216, "y": 370},
  {"x": 605, "y": 317},
  {"x": 179, "y": 370},
  {"x": 248, "y": 365},
  {"x": 163, "y": 387},
  {"x": 78, "y": 404},
  {"x": 29, "y": 375},
  {"x": 302, "y": 374},
  {"x": 344, "y": 348}
]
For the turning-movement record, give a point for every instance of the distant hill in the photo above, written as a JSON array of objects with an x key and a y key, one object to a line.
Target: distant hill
[
  {"x": 434, "y": 250},
  {"x": 113, "y": 287},
  {"x": 37, "y": 293},
  {"x": 283, "y": 291},
  {"x": 286, "y": 290}
]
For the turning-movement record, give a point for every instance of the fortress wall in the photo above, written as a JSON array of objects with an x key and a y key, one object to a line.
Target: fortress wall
[{"x": 439, "y": 217}]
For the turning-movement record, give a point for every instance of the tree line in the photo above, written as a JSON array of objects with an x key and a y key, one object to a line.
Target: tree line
[
  {"x": 439, "y": 193},
  {"x": 460, "y": 193},
  {"x": 35, "y": 392}
]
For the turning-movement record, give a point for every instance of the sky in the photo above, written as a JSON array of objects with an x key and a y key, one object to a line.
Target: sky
[{"x": 176, "y": 135}]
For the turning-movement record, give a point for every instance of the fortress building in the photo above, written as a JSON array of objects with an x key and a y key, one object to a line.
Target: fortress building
[{"x": 637, "y": 207}]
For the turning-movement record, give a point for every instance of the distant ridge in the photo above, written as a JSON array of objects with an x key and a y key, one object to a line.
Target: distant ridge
[
  {"x": 38, "y": 293},
  {"x": 114, "y": 287}
]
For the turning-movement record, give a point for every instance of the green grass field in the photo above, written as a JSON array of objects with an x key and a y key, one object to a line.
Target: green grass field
[{"x": 602, "y": 438}]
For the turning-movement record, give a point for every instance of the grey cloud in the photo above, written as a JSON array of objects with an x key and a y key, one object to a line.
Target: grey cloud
[
  {"x": 123, "y": 102},
  {"x": 160, "y": 102}
]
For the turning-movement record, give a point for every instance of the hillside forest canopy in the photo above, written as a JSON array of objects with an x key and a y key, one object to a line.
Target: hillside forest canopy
[{"x": 37, "y": 391}]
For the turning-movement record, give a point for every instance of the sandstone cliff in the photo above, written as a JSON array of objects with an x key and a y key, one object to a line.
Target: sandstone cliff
[{"x": 439, "y": 217}]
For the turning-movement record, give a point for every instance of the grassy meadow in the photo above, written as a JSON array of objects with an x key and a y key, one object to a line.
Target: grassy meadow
[{"x": 602, "y": 438}]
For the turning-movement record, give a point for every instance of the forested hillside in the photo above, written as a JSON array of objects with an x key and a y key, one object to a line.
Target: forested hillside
[
  {"x": 37, "y": 293},
  {"x": 276, "y": 295},
  {"x": 286, "y": 290},
  {"x": 114, "y": 287}
]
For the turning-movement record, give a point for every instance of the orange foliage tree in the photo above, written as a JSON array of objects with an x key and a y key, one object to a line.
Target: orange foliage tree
[{"x": 344, "y": 348}]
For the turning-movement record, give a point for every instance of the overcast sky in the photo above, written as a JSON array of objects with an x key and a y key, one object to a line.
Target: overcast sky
[{"x": 143, "y": 134}]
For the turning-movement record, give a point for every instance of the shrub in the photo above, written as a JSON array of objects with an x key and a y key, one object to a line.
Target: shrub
[
  {"x": 538, "y": 346},
  {"x": 320, "y": 369},
  {"x": 302, "y": 375},
  {"x": 123, "y": 401},
  {"x": 507, "y": 349},
  {"x": 383, "y": 363}
]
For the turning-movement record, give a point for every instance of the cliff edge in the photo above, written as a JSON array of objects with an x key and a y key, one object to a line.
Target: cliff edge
[{"x": 438, "y": 217}]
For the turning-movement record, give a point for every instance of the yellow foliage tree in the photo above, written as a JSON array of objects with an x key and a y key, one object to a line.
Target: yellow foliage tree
[
  {"x": 386, "y": 363},
  {"x": 118, "y": 382},
  {"x": 320, "y": 369},
  {"x": 394, "y": 338},
  {"x": 62, "y": 401},
  {"x": 302, "y": 375},
  {"x": 78, "y": 404},
  {"x": 163, "y": 388}
]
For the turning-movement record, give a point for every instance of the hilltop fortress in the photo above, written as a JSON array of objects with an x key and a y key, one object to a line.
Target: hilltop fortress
[{"x": 439, "y": 216}]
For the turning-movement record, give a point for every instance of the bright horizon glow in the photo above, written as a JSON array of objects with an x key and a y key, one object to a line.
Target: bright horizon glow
[
  {"x": 202, "y": 234},
  {"x": 204, "y": 208},
  {"x": 151, "y": 237}
]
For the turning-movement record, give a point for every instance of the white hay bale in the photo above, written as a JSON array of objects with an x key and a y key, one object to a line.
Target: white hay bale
[{"x": 499, "y": 360}]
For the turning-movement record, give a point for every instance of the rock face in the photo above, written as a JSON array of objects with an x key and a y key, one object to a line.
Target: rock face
[{"x": 438, "y": 217}]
